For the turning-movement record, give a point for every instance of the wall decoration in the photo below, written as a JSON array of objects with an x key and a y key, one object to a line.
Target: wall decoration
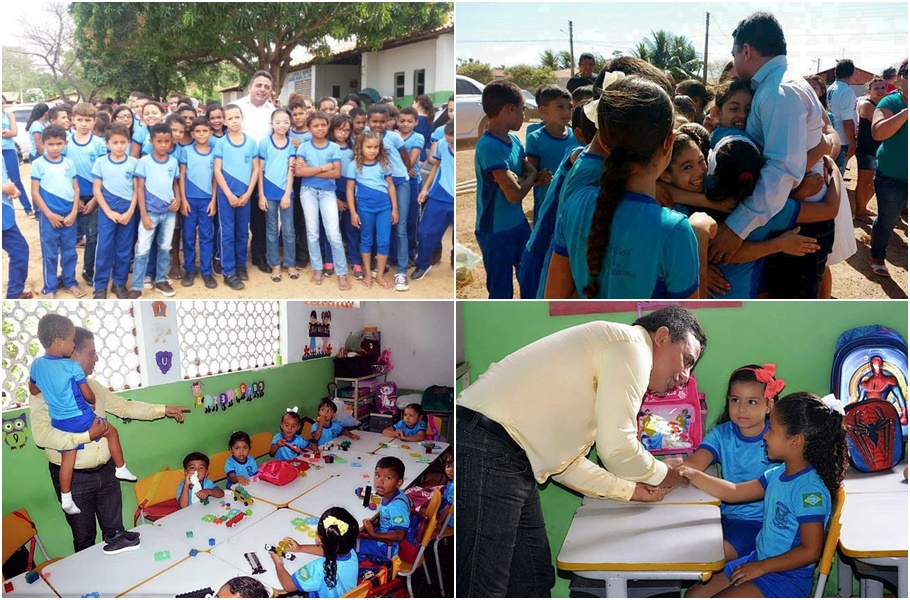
[
  {"x": 320, "y": 330},
  {"x": 15, "y": 431},
  {"x": 196, "y": 387},
  {"x": 159, "y": 309},
  {"x": 164, "y": 360}
]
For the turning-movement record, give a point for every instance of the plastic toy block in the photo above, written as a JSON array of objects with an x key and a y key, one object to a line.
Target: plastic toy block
[
  {"x": 211, "y": 541},
  {"x": 311, "y": 533},
  {"x": 329, "y": 459},
  {"x": 46, "y": 574},
  {"x": 222, "y": 503},
  {"x": 227, "y": 505},
  {"x": 92, "y": 595},
  {"x": 312, "y": 521},
  {"x": 248, "y": 512},
  {"x": 235, "y": 519},
  {"x": 345, "y": 445},
  {"x": 372, "y": 506},
  {"x": 383, "y": 445},
  {"x": 209, "y": 518},
  {"x": 31, "y": 576},
  {"x": 340, "y": 461},
  {"x": 193, "y": 552},
  {"x": 297, "y": 521},
  {"x": 415, "y": 454},
  {"x": 355, "y": 464},
  {"x": 405, "y": 447},
  {"x": 302, "y": 528},
  {"x": 189, "y": 534},
  {"x": 205, "y": 502},
  {"x": 218, "y": 521},
  {"x": 7, "y": 586},
  {"x": 423, "y": 459},
  {"x": 162, "y": 555}
]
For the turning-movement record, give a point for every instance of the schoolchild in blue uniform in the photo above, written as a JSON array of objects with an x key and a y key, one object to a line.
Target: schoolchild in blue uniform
[
  {"x": 504, "y": 178},
  {"x": 276, "y": 155},
  {"x": 287, "y": 442},
  {"x": 152, "y": 114},
  {"x": 807, "y": 434},
  {"x": 382, "y": 541},
  {"x": 340, "y": 133},
  {"x": 240, "y": 466},
  {"x": 11, "y": 158},
  {"x": 438, "y": 200},
  {"x": 115, "y": 192},
  {"x": 416, "y": 149},
  {"x": 188, "y": 492},
  {"x": 14, "y": 244},
  {"x": 299, "y": 134},
  {"x": 197, "y": 182},
  {"x": 326, "y": 428},
  {"x": 412, "y": 427},
  {"x": 737, "y": 443}
]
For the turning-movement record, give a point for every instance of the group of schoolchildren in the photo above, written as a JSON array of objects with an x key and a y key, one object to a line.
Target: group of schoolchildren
[
  {"x": 142, "y": 181},
  {"x": 69, "y": 398},
  {"x": 628, "y": 192}
]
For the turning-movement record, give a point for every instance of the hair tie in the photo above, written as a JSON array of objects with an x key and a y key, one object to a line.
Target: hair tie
[
  {"x": 292, "y": 409},
  {"x": 765, "y": 375},
  {"x": 745, "y": 176},
  {"x": 833, "y": 404},
  {"x": 341, "y": 525}
]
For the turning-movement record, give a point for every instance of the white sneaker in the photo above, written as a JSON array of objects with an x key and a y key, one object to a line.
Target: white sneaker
[
  {"x": 147, "y": 283},
  {"x": 401, "y": 283}
]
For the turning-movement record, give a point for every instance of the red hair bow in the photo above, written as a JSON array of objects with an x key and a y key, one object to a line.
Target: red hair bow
[{"x": 766, "y": 375}]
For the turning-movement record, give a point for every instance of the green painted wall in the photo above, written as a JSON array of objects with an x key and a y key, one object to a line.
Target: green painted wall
[
  {"x": 439, "y": 98},
  {"x": 798, "y": 337},
  {"x": 151, "y": 445}
]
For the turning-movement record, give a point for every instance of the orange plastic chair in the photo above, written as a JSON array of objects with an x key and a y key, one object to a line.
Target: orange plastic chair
[
  {"x": 216, "y": 465},
  {"x": 19, "y": 530},
  {"x": 159, "y": 489},
  {"x": 360, "y": 591},
  {"x": 434, "y": 427},
  {"x": 260, "y": 444}
]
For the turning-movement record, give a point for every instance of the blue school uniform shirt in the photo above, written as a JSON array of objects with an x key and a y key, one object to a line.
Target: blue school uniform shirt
[
  {"x": 316, "y": 156},
  {"x": 8, "y": 143},
  {"x": 341, "y": 184},
  {"x": 116, "y": 178},
  {"x": 56, "y": 183},
  {"x": 35, "y": 127},
  {"x": 393, "y": 515},
  {"x": 329, "y": 432},
  {"x": 424, "y": 128},
  {"x": 549, "y": 152},
  {"x": 438, "y": 134},
  {"x": 743, "y": 458},
  {"x": 393, "y": 143},
  {"x": 199, "y": 180},
  {"x": 443, "y": 188},
  {"x": 653, "y": 252},
  {"x": 241, "y": 469},
  {"x": 285, "y": 453},
  {"x": 311, "y": 577},
  {"x": 237, "y": 162},
  {"x": 415, "y": 140},
  {"x": 158, "y": 179},
  {"x": 84, "y": 157},
  {"x": 300, "y": 136},
  {"x": 140, "y": 133},
  {"x": 59, "y": 379},
  {"x": 534, "y": 127},
  {"x": 207, "y": 484},
  {"x": 421, "y": 425},
  {"x": 495, "y": 213},
  {"x": 789, "y": 502},
  {"x": 722, "y": 132},
  {"x": 276, "y": 161},
  {"x": 371, "y": 187}
]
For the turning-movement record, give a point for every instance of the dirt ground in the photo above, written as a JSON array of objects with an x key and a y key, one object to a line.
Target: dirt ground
[
  {"x": 852, "y": 279},
  {"x": 438, "y": 283}
]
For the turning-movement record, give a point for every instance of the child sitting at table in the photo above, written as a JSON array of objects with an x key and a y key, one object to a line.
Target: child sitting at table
[
  {"x": 287, "y": 443},
  {"x": 196, "y": 486},
  {"x": 394, "y": 512},
  {"x": 412, "y": 427},
  {"x": 243, "y": 587},
  {"x": 808, "y": 435},
  {"x": 240, "y": 466},
  {"x": 448, "y": 494},
  {"x": 332, "y": 575},
  {"x": 326, "y": 428}
]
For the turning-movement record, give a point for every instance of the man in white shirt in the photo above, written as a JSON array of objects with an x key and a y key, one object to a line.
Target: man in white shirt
[{"x": 842, "y": 104}]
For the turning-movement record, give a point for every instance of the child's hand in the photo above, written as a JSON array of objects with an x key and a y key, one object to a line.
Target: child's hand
[
  {"x": 293, "y": 546},
  {"x": 355, "y": 220},
  {"x": 125, "y": 217},
  {"x": 242, "y": 199},
  {"x": 11, "y": 190},
  {"x": 687, "y": 472},
  {"x": 275, "y": 558},
  {"x": 717, "y": 285},
  {"x": 69, "y": 220},
  {"x": 295, "y": 142},
  {"x": 811, "y": 184},
  {"x": 796, "y": 245},
  {"x": 395, "y": 216},
  {"x": 233, "y": 200},
  {"x": 55, "y": 219},
  {"x": 243, "y": 480},
  {"x": 342, "y": 206},
  {"x": 211, "y": 209},
  {"x": 285, "y": 203},
  {"x": 203, "y": 494},
  {"x": 544, "y": 177},
  {"x": 354, "y": 436},
  {"x": 421, "y": 197},
  {"x": 747, "y": 572},
  {"x": 263, "y": 204},
  {"x": 113, "y": 216},
  {"x": 147, "y": 223},
  {"x": 89, "y": 206},
  {"x": 701, "y": 222},
  {"x": 368, "y": 527},
  {"x": 399, "y": 434},
  {"x": 281, "y": 442}
]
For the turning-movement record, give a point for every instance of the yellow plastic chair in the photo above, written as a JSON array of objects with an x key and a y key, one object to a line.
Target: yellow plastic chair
[
  {"x": 260, "y": 444},
  {"x": 407, "y": 570},
  {"x": 19, "y": 530},
  {"x": 216, "y": 465},
  {"x": 360, "y": 591},
  {"x": 445, "y": 531},
  {"x": 831, "y": 539},
  {"x": 155, "y": 489}
]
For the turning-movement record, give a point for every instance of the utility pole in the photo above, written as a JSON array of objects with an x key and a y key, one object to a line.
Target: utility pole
[
  {"x": 818, "y": 65},
  {"x": 571, "y": 52},
  {"x": 704, "y": 73}
]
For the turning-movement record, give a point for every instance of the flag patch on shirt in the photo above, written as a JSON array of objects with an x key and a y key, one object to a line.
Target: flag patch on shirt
[
  {"x": 398, "y": 520},
  {"x": 811, "y": 500}
]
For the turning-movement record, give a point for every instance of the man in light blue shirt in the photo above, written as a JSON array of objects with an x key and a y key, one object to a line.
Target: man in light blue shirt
[{"x": 842, "y": 104}]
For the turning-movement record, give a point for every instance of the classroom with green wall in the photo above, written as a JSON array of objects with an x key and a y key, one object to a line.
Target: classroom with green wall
[{"x": 799, "y": 337}]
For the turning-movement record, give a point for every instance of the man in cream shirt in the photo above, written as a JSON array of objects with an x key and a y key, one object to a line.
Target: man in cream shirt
[
  {"x": 95, "y": 488},
  {"x": 535, "y": 415}
]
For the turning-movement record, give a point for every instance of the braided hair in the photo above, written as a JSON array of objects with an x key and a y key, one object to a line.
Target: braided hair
[
  {"x": 635, "y": 116},
  {"x": 825, "y": 444},
  {"x": 335, "y": 543}
]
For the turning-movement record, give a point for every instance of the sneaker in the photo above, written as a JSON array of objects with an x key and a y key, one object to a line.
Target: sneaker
[
  {"x": 99, "y": 294},
  {"x": 120, "y": 543},
  {"x": 130, "y": 535},
  {"x": 165, "y": 288},
  {"x": 134, "y": 295},
  {"x": 328, "y": 269},
  {"x": 147, "y": 282},
  {"x": 188, "y": 278},
  {"x": 243, "y": 274},
  {"x": 88, "y": 277},
  {"x": 233, "y": 282},
  {"x": 358, "y": 272},
  {"x": 121, "y": 291},
  {"x": 216, "y": 266},
  {"x": 401, "y": 283},
  {"x": 209, "y": 282},
  {"x": 436, "y": 257},
  {"x": 420, "y": 273}
]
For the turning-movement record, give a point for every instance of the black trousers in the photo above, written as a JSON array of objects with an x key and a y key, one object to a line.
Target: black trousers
[
  {"x": 257, "y": 232},
  {"x": 97, "y": 494}
]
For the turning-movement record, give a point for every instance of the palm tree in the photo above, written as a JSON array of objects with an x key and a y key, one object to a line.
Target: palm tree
[
  {"x": 549, "y": 60},
  {"x": 672, "y": 53}
]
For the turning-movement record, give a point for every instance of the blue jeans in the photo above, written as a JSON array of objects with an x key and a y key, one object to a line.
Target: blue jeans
[
  {"x": 322, "y": 202},
  {"x": 501, "y": 254},
  {"x": 16, "y": 247},
  {"x": 891, "y": 195},
  {"x": 57, "y": 243},
  {"x": 403, "y": 196},
  {"x": 287, "y": 234},
  {"x": 162, "y": 232},
  {"x": 841, "y": 160},
  {"x": 11, "y": 160},
  {"x": 198, "y": 219},
  {"x": 413, "y": 219},
  {"x": 502, "y": 548}
]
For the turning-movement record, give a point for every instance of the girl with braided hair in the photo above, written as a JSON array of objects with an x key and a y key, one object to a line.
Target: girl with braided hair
[
  {"x": 332, "y": 575},
  {"x": 807, "y": 434}
]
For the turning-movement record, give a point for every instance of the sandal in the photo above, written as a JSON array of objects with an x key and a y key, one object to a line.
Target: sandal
[
  {"x": 76, "y": 291},
  {"x": 881, "y": 271},
  {"x": 276, "y": 278},
  {"x": 294, "y": 274}
]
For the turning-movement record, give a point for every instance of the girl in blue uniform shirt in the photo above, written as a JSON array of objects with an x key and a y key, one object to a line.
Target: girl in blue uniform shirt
[
  {"x": 334, "y": 573},
  {"x": 340, "y": 133},
  {"x": 412, "y": 427},
  {"x": 737, "y": 443},
  {"x": 276, "y": 181},
  {"x": 807, "y": 434}
]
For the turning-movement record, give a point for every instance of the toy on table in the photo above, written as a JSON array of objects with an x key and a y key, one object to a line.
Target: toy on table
[
  {"x": 193, "y": 552},
  {"x": 235, "y": 519},
  {"x": 162, "y": 555},
  {"x": 281, "y": 550},
  {"x": 241, "y": 495},
  {"x": 211, "y": 541},
  {"x": 201, "y": 593},
  {"x": 370, "y": 500},
  {"x": 254, "y": 563},
  {"x": 282, "y": 472},
  {"x": 189, "y": 534},
  {"x": 31, "y": 576},
  {"x": 329, "y": 459},
  {"x": 91, "y": 595},
  {"x": 7, "y": 586},
  {"x": 429, "y": 446},
  {"x": 345, "y": 445}
]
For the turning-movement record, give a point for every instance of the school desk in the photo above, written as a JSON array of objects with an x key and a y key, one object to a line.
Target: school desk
[
  {"x": 110, "y": 575},
  {"x": 191, "y": 574},
  {"x": 649, "y": 542},
  {"x": 892, "y": 480},
  {"x": 280, "y": 524},
  {"x": 874, "y": 530},
  {"x": 176, "y": 525},
  {"x": 414, "y": 454},
  {"x": 24, "y": 589},
  {"x": 680, "y": 495},
  {"x": 282, "y": 495}
]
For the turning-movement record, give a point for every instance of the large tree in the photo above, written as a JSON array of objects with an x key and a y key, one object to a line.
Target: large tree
[
  {"x": 172, "y": 42},
  {"x": 672, "y": 53}
]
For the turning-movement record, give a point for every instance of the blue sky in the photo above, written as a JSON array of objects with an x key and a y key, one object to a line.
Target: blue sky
[{"x": 873, "y": 34}]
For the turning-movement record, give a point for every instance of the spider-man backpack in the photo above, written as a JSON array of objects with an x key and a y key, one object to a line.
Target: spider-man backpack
[{"x": 869, "y": 375}]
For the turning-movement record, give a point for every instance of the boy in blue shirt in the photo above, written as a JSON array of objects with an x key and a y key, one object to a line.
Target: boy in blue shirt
[
  {"x": 438, "y": 199},
  {"x": 197, "y": 177},
  {"x": 326, "y": 428},
  {"x": 547, "y": 146},
  {"x": 55, "y": 191},
  {"x": 240, "y": 466},
  {"x": 504, "y": 178},
  {"x": 158, "y": 198},
  {"x": 196, "y": 487},
  {"x": 115, "y": 193},
  {"x": 84, "y": 148},
  {"x": 414, "y": 144},
  {"x": 394, "y": 512}
]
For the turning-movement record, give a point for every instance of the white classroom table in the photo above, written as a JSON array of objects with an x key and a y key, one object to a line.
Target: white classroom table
[
  {"x": 874, "y": 530},
  {"x": 680, "y": 495},
  {"x": 618, "y": 544},
  {"x": 191, "y": 574},
  {"x": 186, "y": 519},
  {"x": 892, "y": 480},
  {"x": 111, "y": 575},
  {"x": 24, "y": 589},
  {"x": 269, "y": 530},
  {"x": 282, "y": 495},
  {"x": 407, "y": 455}
]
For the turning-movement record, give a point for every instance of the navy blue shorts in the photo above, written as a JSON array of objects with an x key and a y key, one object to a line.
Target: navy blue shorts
[
  {"x": 785, "y": 584},
  {"x": 741, "y": 534}
]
